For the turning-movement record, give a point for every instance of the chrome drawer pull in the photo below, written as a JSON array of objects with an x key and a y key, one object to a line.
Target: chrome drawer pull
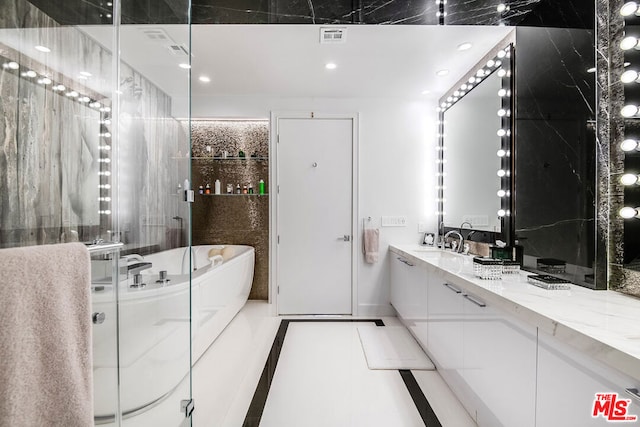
[
  {"x": 633, "y": 392},
  {"x": 452, "y": 288},
  {"x": 475, "y": 301}
]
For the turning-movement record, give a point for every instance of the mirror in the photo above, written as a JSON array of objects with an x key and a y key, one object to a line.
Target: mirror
[
  {"x": 470, "y": 161},
  {"x": 475, "y": 149}
]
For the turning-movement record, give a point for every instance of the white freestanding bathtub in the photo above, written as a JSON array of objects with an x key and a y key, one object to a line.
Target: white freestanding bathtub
[{"x": 154, "y": 323}]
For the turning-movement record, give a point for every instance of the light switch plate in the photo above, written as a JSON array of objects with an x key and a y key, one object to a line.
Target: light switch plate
[{"x": 393, "y": 221}]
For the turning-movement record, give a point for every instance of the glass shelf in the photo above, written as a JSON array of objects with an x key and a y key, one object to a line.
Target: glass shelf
[
  {"x": 229, "y": 195},
  {"x": 257, "y": 159}
]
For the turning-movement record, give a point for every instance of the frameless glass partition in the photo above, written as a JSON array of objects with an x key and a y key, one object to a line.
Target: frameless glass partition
[{"x": 92, "y": 153}]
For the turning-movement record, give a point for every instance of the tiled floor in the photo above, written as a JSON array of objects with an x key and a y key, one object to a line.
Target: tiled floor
[{"x": 321, "y": 379}]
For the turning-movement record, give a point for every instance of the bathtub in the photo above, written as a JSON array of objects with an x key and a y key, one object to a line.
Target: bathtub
[{"x": 154, "y": 323}]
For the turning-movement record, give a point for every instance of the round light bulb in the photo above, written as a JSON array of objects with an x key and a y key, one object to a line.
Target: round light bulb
[
  {"x": 628, "y": 212},
  {"x": 629, "y": 8},
  {"x": 502, "y": 213},
  {"x": 629, "y": 179},
  {"x": 629, "y": 110},
  {"x": 501, "y": 132},
  {"x": 501, "y": 153},
  {"x": 501, "y": 193},
  {"x": 502, "y": 72},
  {"x": 628, "y": 43},
  {"x": 629, "y": 76},
  {"x": 502, "y": 173},
  {"x": 502, "y": 92},
  {"x": 501, "y": 7},
  {"x": 491, "y": 63},
  {"x": 501, "y": 54},
  {"x": 629, "y": 145},
  {"x": 31, "y": 73}
]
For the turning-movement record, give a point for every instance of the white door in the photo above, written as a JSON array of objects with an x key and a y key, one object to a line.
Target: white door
[{"x": 314, "y": 215}]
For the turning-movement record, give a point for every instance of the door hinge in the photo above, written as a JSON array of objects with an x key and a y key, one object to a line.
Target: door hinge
[
  {"x": 278, "y": 290},
  {"x": 278, "y": 239},
  {"x": 187, "y": 407},
  {"x": 278, "y": 138},
  {"x": 278, "y": 189}
]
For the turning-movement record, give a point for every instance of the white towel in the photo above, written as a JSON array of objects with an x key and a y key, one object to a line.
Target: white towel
[
  {"x": 45, "y": 336},
  {"x": 370, "y": 240}
]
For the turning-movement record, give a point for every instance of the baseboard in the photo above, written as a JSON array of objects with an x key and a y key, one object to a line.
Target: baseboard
[{"x": 378, "y": 310}]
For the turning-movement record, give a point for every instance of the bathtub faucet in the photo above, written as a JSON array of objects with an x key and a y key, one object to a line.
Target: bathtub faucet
[{"x": 185, "y": 262}]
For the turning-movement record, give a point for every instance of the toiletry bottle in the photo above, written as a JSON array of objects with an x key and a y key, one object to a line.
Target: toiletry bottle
[
  {"x": 238, "y": 189},
  {"x": 241, "y": 153},
  {"x": 217, "y": 186},
  {"x": 229, "y": 188},
  {"x": 250, "y": 188},
  {"x": 207, "y": 189},
  {"x": 201, "y": 190},
  {"x": 244, "y": 190},
  {"x": 261, "y": 187}
]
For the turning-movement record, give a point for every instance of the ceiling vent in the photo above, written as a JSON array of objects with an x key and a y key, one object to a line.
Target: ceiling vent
[
  {"x": 160, "y": 36},
  {"x": 332, "y": 35}
]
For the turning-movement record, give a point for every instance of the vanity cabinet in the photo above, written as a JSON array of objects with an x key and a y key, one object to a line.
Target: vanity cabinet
[
  {"x": 568, "y": 382},
  {"x": 498, "y": 365},
  {"x": 487, "y": 357},
  {"x": 409, "y": 294},
  {"x": 444, "y": 328}
]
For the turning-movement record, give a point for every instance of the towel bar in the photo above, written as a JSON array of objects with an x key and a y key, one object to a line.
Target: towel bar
[{"x": 103, "y": 247}]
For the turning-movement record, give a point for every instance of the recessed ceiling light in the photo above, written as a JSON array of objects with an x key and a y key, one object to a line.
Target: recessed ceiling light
[
  {"x": 185, "y": 66},
  {"x": 464, "y": 46},
  {"x": 591, "y": 70},
  {"x": 43, "y": 49},
  {"x": 442, "y": 72},
  {"x": 330, "y": 66},
  {"x": 204, "y": 79},
  {"x": 85, "y": 73},
  {"x": 426, "y": 92}
]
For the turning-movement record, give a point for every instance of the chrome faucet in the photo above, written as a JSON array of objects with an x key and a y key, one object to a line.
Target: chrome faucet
[{"x": 450, "y": 232}]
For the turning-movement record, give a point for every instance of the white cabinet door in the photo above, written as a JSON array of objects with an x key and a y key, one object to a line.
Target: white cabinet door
[
  {"x": 499, "y": 365},
  {"x": 444, "y": 328},
  {"x": 568, "y": 382},
  {"x": 409, "y": 295}
]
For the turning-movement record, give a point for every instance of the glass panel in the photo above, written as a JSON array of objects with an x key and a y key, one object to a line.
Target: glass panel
[
  {"x": 152, "y": 155},
  {"x": 56, "y": 86}
]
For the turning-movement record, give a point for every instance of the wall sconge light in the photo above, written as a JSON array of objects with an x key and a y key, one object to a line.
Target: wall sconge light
[
  {"x": 629, "y": 212},
  {"x": 502, "y": 213},
  {"x": 629, "y": 110},
  {"x": 630, "y": 179},
  {"x": 630, "y": 76},
  {"x": 630, "y": 8},
  {"x": 630, "y": 145},
  {"x": 629, "y": 43}
]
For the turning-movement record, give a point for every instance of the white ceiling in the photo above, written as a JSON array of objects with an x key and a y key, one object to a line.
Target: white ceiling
[{"x": 288, "y": 60}]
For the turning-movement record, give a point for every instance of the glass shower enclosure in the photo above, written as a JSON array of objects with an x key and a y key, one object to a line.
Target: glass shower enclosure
[{"x": 91, "y": 152}]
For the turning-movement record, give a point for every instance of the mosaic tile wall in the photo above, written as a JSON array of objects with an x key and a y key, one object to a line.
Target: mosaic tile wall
[{"x": 233, "y": 219}]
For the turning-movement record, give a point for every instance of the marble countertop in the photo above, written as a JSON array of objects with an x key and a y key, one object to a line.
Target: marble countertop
[{"x": 602, "y": 324}]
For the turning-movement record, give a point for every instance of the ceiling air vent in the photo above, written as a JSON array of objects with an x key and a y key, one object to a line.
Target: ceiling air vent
[
  {"x": 160, "y": 36},
  {"x": 333, "y": 35}
]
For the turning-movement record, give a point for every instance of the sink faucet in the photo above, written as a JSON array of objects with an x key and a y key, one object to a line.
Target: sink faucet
[{"x": 450, "y": 232}]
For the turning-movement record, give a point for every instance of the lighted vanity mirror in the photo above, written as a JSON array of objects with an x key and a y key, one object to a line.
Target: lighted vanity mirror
[
  {"x": 471, "y": 165},
  {"x": 475, "y": 146}
]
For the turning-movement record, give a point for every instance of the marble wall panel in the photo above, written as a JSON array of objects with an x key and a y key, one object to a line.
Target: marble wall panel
[
  {"x": 551, "y": 13},
  {"x": 555, "y": 165}
]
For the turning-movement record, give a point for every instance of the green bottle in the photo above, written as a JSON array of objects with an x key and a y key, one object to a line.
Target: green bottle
[{"x": 261, "y": 187}]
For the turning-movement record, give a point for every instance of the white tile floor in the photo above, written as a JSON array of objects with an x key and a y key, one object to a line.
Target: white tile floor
[{"x": 321, "y": 380}]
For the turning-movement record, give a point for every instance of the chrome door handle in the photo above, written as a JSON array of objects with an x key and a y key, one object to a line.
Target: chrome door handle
[{"x": 345, "y": 238}]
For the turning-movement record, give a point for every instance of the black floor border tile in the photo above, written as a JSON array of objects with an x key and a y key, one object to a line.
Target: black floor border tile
[
  {"x": 256, "y": 408},
  {"x": 419, "y": 399}
]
